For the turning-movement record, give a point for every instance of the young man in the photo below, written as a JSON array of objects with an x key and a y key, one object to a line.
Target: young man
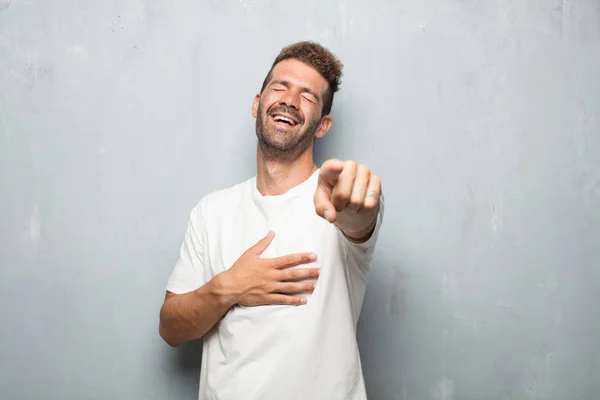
[{"x": 272, "y": 271}]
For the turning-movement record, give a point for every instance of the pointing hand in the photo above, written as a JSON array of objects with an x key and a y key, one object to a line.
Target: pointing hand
[{"x": 348, "y": 195}]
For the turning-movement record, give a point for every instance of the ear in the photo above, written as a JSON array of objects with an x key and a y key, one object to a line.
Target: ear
[
  {"x": 324, "y": 126},
  {"x": 255, "y": 102}
]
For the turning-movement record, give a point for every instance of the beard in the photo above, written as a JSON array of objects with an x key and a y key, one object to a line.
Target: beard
[{"x": 280, "y": 144}]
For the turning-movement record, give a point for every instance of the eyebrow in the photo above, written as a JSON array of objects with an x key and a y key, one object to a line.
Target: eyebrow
[{"x": 287, "y": 84}]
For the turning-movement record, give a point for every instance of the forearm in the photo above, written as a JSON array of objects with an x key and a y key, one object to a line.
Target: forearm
[
  {"x": 190, "y": 315},
  {"x": 363, "y": 235},
  {"x": 358, "y": 227}
]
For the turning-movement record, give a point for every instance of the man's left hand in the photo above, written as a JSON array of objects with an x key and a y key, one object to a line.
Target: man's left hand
[{"x": 348, "y": 195}]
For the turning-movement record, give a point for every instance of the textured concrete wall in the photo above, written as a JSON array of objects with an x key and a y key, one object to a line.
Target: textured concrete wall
[{"x": 482, "y": 119}]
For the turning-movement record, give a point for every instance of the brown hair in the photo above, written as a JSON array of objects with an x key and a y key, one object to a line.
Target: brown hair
[{"x": 319, "y": 58}]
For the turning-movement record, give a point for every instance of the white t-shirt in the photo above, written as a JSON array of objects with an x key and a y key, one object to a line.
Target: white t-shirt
[{"x": 274, "y": 352}]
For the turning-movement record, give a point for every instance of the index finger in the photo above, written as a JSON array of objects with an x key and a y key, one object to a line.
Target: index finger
[
  {"x": 291, "y": 260},
  {"x": 330, "y": 171}
]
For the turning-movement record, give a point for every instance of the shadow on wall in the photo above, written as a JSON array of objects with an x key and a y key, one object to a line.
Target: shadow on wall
[
  {"x": 382, "y": 330},
  {"x": 185, "y": 362},
  {"x": 328, "y": 146},
  {"x": 188, "y": 356}
]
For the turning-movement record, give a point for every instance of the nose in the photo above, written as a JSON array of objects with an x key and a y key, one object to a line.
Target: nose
[{"x": 291, "y": 99}]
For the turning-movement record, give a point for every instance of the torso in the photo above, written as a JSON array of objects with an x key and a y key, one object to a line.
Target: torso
[{"x": 283, "y": 352}]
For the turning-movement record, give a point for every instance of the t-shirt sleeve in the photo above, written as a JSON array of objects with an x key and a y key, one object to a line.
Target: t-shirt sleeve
[
  {"x": 360, "y": 255},
  {"x": 190, "y": 271}
]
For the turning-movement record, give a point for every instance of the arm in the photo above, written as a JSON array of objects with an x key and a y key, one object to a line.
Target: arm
[
  {"x": 250, "y": 281},
  {"x": 189, "y": 316},
  {"x": 361, "y": 236},
  {"x": 193, "y": 303}
]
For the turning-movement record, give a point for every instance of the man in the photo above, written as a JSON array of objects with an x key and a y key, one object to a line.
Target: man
[{"x": 272, "y": 271}]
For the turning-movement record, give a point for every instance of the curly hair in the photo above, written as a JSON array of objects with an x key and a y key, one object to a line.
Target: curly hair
[{"x": 319, "y": 58}]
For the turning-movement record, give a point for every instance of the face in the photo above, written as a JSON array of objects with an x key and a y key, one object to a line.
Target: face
[{"x": 289, "y": 111}]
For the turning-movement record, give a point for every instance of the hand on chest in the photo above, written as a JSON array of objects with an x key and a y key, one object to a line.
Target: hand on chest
[{"x": 296, "y": 226}]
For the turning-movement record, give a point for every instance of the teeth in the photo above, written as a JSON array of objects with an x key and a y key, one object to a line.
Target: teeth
[{"x": 284, "y": 119}]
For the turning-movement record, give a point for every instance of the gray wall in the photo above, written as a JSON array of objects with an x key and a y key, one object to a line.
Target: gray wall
[{"x": 482, "y": 119}]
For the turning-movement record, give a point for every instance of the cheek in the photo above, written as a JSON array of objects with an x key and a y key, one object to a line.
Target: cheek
[
  {"x": 311, "y": 114},
  {"x": 268, "y": 100}
]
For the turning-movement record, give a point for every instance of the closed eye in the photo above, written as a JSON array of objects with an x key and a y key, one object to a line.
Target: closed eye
[{"x": 310, "y": 99}]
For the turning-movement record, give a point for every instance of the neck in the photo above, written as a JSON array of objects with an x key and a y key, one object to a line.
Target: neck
[{"x": 277, "y": 177}]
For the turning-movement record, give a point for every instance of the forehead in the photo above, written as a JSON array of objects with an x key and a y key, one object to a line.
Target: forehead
[{"x": 299, "y": 74}]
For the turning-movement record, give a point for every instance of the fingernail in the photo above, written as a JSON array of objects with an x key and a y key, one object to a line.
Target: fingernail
[
  {"x": 270, "y": 234},
  {"x": 303, "y": 300},
  {"x": 327, "y": 213},
  {"x": 312, "y": 257}
]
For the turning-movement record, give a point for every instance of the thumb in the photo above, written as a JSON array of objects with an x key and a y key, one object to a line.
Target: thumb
[
  {"x": 323, "y": 205},
  {"x": 263, "y": 243}
]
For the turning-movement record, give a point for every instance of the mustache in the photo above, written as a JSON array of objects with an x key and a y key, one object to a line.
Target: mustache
[{"x": 281, "y": 108}]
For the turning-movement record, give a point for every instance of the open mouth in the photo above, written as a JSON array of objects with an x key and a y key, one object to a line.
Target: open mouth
[{"x": 284, "y": 120}]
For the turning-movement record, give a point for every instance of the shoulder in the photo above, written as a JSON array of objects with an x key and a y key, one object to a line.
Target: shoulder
[{"x": 218, "y": 201}]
